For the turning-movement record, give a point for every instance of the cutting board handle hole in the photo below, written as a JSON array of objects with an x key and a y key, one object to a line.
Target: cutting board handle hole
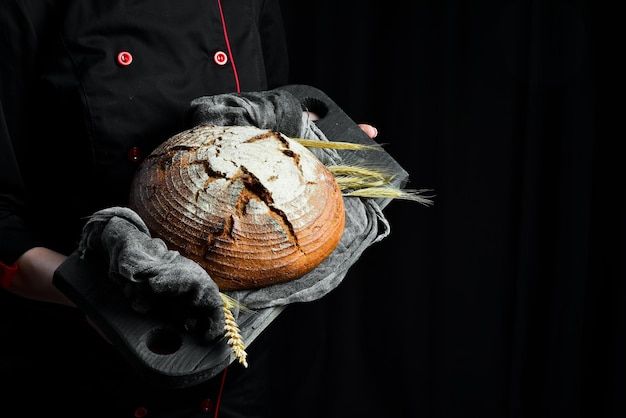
[
  {"x": 164, "y": 341},
  {"x": 314, "y": 105}
]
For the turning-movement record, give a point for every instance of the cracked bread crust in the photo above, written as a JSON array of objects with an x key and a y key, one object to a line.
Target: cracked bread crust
[{"x": 251, "y": 206}]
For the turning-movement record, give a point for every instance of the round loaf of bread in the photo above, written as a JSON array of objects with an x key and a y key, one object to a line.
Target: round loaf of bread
[{"x": 251, "y": 206}]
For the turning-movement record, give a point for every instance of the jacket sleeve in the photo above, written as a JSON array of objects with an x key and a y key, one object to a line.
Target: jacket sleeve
[{"x": 18, "y": 43}]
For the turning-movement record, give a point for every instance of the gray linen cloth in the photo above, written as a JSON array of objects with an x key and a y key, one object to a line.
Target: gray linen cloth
[
  {"x": 153, "y": 278},
  {"x": 149, "y": 273},
  {"x": 365, "y": 223}
]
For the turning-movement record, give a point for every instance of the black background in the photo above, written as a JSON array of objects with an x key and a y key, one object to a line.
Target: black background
[{"x": 505, "y": 298}]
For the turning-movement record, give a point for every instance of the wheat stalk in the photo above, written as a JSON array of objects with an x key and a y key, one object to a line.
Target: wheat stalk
[
  {"x": 393, "y": 193},
  {"x": 350, "y": 170},
  {"x": 363, "y": 181},
  {"x": 350, "y": 177},
  {"x": 314, "y": 143}
]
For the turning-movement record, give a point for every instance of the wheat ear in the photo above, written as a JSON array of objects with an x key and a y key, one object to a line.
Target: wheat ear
[{"x": 232, "y": 332}]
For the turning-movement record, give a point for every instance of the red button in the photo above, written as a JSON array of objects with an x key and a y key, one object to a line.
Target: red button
[
  {"x": 220, "y": 58},
  {"x": 124, "y": 58},
  {"x": 134, "y": 154},
  {"x": 141, "y": 412},
  {"x": 206, "y": 405}
]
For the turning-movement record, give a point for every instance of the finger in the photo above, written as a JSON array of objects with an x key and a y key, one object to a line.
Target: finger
[{"x": 371, "y": 131}]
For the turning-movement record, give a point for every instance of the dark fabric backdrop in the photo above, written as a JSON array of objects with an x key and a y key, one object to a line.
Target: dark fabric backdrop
[{"x": 505, "y": 298}]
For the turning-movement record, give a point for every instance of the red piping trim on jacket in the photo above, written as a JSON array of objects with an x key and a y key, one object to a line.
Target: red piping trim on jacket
[
  {"x": 219, "y": 396},
  {"x": 230, "y": 53},
  {"x": 234, "y": 67}
]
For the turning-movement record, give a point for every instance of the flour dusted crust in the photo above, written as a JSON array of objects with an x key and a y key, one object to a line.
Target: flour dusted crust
[{"x": 251, "y": 206}]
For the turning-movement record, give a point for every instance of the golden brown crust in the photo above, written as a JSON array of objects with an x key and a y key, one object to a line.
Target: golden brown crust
[{"x": 251, "y": 206}]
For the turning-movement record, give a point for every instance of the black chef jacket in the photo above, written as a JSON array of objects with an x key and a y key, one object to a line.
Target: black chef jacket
[{"x": 87, "y": 89}]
